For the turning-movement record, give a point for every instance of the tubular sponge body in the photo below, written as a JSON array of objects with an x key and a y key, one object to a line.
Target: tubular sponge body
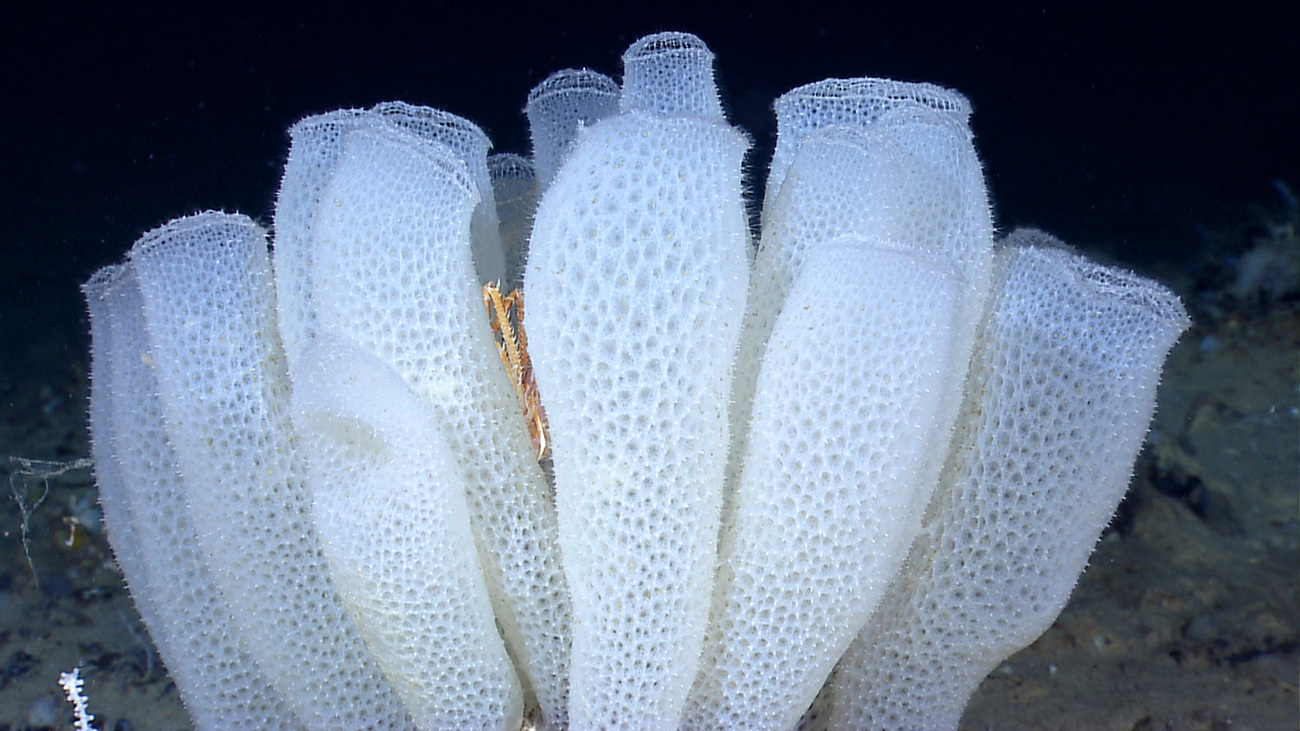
[
  {"x": 1061, "y": 390},
  {"x": 830, "y": 480}
]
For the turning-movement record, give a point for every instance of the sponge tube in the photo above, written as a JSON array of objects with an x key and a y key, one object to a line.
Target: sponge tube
[
  {"x": 208, "y": 300},
  {"x": 635, "y": 283},
  {"x": 389, "y": 504},
  {"x": 389, "y": 268},
  {"x": 848, "y": 414},
  {"x": 561, "y": 107},
  {"x": 1061, "y": 391},
  {"x": 154, "y": 539}
]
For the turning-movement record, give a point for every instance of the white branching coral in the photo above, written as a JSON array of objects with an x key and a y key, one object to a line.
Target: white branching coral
[{"x": 73, "y": 686}]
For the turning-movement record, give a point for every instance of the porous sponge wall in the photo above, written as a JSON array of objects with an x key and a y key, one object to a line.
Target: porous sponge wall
[
  {"x": 907, "y": 176},
  {"x": 1061, "y": 392},
  {"x": 471, "y": 145},
  {"x": 392, "y": 515},
  {"x": 634, "y": 284},
  {"x": 313, "y": 155},
  {"x": 150, "y": 529},
  {"x": 848, "y": 181},
  {"x": 207, "y": 293},
  {"x": 670, "y": 74},
  {"x": 854, "y": 102},
  {"x": 390, "y": 269},
  {"x": 558, "y": 108},
  {"x": 844, "y": 423},
  {"x": 396, "y": 208}
]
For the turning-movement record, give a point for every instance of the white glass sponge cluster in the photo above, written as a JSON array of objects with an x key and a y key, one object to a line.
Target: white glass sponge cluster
[{"x": 829, "y": 478}]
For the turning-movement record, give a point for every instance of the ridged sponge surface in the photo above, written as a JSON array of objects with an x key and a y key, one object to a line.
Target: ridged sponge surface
[{"x": 635, "y": 283}]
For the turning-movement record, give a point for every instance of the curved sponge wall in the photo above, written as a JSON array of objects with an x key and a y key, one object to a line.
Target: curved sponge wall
[{"x": 1061, "y": 390}]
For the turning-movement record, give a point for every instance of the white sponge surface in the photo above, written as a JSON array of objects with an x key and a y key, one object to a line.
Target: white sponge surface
[
  {"x": 390, "y": 507},
  {"x": 670, "y": 74},
  {"x": 635, "y": 283},
  {"x": 392, "y": 271},
  {"x": 559, "y": 108},
  {"x": 846, "y": 416},
  {"x": 1062, "y": 388},
  {"x": 150, "y": 529},
  {"x": 857, "y": 102},
  {"x": 908, "y": 178},
  {"x": 208, "y": 301}
]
